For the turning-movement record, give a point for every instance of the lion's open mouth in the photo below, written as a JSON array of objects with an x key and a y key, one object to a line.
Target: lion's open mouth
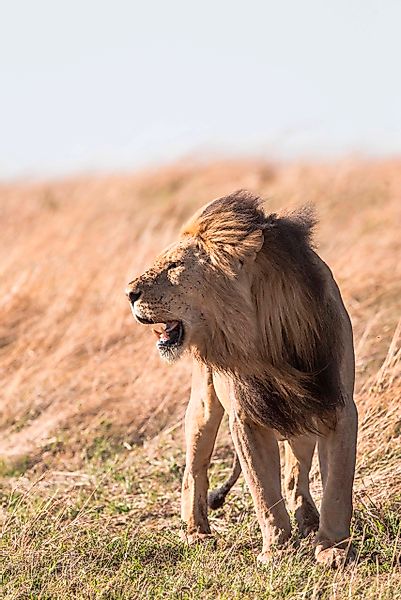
[
  {"x": 169, "y": 334},
  {"x": 170, "y": 337}
]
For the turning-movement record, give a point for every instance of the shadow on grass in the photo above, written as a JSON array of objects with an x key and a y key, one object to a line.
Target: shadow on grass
[{"x": 160, "y": 550}]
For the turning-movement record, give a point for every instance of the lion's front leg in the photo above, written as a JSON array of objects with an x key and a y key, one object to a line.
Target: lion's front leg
[
  {"x": 337, "y": 451},
  {"x": 202, "y": 420},
  {"x": 258, "y": 452}
]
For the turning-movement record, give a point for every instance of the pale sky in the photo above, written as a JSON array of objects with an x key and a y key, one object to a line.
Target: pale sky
[{"x": 95, "y": 85}]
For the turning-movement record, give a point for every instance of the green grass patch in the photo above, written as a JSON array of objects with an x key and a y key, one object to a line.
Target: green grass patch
[{"x": 113, "y": 534}]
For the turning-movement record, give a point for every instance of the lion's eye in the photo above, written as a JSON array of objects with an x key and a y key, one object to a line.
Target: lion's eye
[{"x": 172, "y": 265}]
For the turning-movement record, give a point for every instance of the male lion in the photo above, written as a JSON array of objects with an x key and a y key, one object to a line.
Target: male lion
[{"x": 272, "y": 346}]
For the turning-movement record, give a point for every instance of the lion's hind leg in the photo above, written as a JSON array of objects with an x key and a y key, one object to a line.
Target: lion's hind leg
[
  {"x": 298, "y": 460},
  {"x": 337, "y": 452}
]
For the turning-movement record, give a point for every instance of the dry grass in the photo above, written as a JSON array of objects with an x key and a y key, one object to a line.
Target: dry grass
[{"x": 82, "y": 384}]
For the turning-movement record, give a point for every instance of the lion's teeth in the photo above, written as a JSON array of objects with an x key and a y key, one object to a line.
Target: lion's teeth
[
  {"x": 164, "y": 329},
  {"x": 171, "y": 325}
]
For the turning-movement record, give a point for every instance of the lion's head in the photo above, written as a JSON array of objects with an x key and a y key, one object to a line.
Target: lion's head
[{"x": 198, "y": 290}]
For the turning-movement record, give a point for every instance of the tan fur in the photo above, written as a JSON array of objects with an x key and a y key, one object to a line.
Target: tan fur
[{"x": 272, "y": 344}]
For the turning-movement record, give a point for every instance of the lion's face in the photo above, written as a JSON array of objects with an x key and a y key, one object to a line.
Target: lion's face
[
  {"x": 198, "y": 292},
  {"x": 170, "y": 296}
]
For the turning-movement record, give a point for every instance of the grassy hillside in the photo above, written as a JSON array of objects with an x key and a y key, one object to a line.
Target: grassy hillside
[{"x": 91, "y": 441}]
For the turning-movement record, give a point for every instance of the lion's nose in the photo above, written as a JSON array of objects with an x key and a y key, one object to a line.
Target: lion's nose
[{"x": 133, "y": 296}]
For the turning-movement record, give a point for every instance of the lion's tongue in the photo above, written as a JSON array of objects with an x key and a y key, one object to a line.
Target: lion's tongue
[{"x": 164, "y": 334}]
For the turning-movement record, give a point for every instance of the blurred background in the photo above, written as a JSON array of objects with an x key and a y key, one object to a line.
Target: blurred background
[{"x": 97, "y": 85}]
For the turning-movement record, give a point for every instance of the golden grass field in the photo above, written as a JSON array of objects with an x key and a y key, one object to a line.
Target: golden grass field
[{"x": 91, "y": 418}]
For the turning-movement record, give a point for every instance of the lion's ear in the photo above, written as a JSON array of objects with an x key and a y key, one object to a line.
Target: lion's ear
[
  {"x": 230, "y": 229},
  {"x": 231, "y": 255},
  {"x": 247, "y": 249}
]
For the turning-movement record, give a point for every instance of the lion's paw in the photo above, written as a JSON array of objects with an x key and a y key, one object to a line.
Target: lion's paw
[
  {"x": 274, "y": 553},
  {"x": 265, "y": 557},
  {"x": 333, "y": 557},
  {"x": 197, "y": 537}
]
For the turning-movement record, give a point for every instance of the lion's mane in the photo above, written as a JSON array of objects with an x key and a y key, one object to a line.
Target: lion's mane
[{"x": 271, "y": 321}]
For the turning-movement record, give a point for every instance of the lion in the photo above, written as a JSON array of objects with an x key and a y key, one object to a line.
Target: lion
[{"x": 247, "y": 296}]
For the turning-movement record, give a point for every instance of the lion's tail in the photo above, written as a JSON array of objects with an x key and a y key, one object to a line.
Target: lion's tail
[{"x": 217, "y": 497}]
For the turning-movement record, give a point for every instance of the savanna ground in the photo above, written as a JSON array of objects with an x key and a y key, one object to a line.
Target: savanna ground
[{"x": 91, "y": 421}]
